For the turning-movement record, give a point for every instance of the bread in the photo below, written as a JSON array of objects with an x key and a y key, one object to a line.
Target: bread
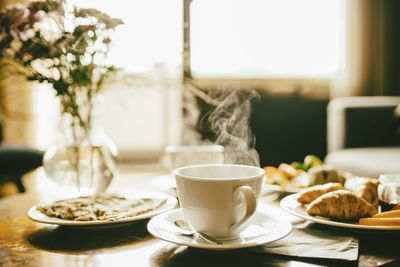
[
  {"x": 342, "y": 205},
  {"x": 310, "y": 194},
  {"x": 100, "y": 207},
  {"x": 367, "y": 188},
  {"x": 324, "y": 174}
]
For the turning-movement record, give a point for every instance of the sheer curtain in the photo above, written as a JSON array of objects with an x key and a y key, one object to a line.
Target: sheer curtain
[{"x": 370, "y": 58}]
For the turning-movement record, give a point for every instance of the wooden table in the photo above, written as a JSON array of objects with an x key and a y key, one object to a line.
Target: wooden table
[{"x": 26, "y": 243}]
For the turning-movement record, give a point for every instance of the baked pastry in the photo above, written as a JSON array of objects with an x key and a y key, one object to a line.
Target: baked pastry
[
  {"x": 100, "y": 207},
  {"x": 342, "y": 205},
  {"x": 310, "y": 194},
  {"x": 324, "y": 174},
  {"x": 367, "y": 188}
]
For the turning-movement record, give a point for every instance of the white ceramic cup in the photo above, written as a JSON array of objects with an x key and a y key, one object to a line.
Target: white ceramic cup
[
  {"x": 179, "y": 156},
  {"x": 219, "y": 199}
]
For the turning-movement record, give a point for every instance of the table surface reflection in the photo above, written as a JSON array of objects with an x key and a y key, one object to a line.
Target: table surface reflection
[{"x": 27, "y": 243}]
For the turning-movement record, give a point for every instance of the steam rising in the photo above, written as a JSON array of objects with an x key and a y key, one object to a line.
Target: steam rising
[
  {"x": 230, "y": 122},
  {"x": 191, "y": 117}
]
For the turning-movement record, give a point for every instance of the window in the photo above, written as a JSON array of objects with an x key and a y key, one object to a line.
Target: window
[
  {"x": 268, "y": 41},
  {"x": 264, "y": 38},
  {"x": 151, "y": 32}
]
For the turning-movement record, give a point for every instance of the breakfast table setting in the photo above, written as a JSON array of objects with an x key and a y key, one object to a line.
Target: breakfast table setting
[
  {"x": 185, "y": 221},
  {"x": 82, "y": 208}
]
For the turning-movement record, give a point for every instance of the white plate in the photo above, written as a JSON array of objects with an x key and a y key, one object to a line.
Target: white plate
[
  {"x": 291, "y": 205},
  {"x": 263, "y": 229},
  {"x": 37, "y": 216},
  {"x": 165, "y": 181}
]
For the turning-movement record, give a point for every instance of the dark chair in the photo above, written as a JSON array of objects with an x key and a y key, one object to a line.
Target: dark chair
[
  {"x": 364, "y": 135},
  {"x": 15, "y": 161}
]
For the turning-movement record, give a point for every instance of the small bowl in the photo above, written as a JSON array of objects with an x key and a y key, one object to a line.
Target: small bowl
[{"x": 389, "y": 191}]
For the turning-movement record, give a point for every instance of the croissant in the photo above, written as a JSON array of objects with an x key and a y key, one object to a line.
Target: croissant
[
  {"x": 341, "y": 205},
  {"x": 310, "y": 194},
  {"x": 364, "y": 187},
  {"x": 323, "y": 174}
]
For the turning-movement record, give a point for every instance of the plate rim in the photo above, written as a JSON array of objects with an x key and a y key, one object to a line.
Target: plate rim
[
  {"x": 287, "y": 226},
  {"x": 279, "y": 189},
  {"x": 171, "y": 203},
  {"x": 290, "y": 205}
]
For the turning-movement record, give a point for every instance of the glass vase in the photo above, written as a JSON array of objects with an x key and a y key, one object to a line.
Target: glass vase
[{"x": 83, "y": 160}]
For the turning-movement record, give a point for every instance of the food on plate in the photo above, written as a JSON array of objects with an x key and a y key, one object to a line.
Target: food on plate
[
  {"x": 275, "y": 176},
  {"x": 323, "y": 174},
  {"x": 308, "y": 162},
  {"x": 389, "y": 192},
  {"x": 291, "y": 175},
  {"x": 380, "y": 221},
  {"x": 284, "y": 176},
  {"x": 367, "y": 188},
  {"x": 310, "y": 194},
  {"x": 387, "y": 218},
  {"x": 342, "y": 205},
  {"x": 312, "y": 161},
  {"x": 100, "y": 207},
  {"x": 388, "y": 214},
  {"x": 289, "y": 170}
]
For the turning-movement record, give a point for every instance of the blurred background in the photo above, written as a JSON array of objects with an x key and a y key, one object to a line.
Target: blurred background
[{"x": 188, "y": 54}]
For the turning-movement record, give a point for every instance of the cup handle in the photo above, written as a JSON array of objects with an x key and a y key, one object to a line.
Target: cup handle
[{"x": 251, "y": 205}]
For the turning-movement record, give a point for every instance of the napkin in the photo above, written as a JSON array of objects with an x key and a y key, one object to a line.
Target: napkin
[{"x": 309, "y": 241}]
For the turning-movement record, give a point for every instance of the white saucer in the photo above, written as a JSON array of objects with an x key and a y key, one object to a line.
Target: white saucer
[{"x": 263, "y": 229}]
